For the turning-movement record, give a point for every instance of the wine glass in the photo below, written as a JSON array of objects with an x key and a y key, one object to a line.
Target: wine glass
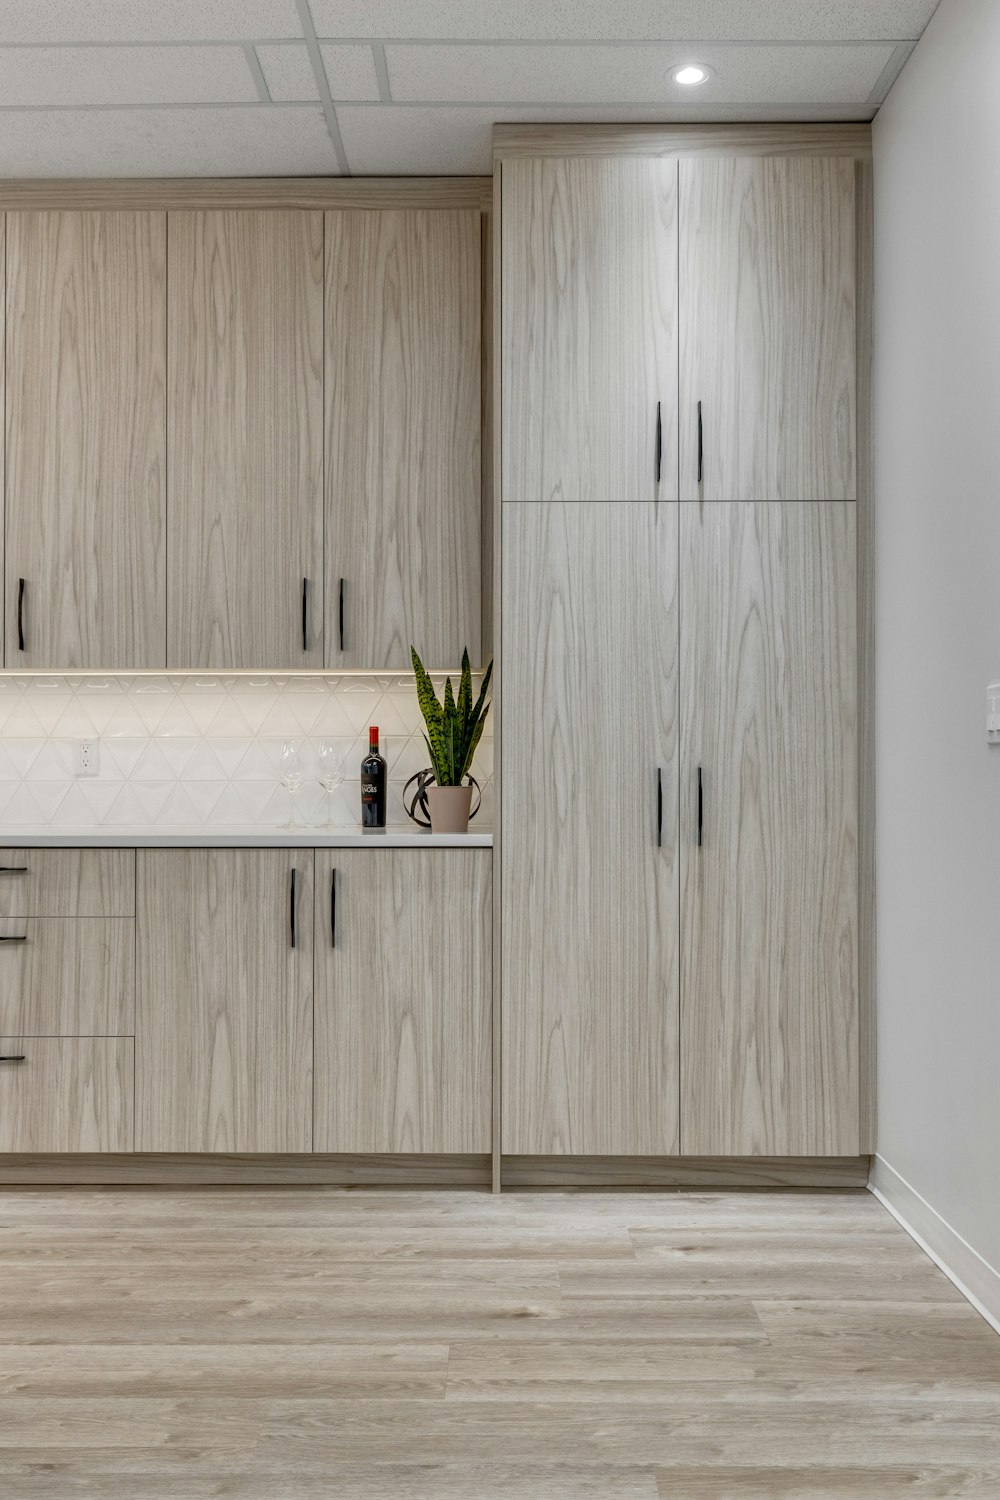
[
  {"x": 291, "y": 775},
  {"x": 331, "y": 774}
]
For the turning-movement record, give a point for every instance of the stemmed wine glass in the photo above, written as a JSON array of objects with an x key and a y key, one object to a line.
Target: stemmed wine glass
[
  {"x": 291, "y": 775},
  {"x": 331, "y": 774}
]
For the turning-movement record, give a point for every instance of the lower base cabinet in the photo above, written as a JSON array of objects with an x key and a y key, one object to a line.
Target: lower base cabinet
[
  {"x": 403, "y": 1007},
  {"x": 66, "y": 1093}
]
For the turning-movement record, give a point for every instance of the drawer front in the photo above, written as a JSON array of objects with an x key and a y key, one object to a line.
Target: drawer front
[
  {"x": 66, "y": 1094},
  {"x": 67, "y": 976},
  {"x": 67, "y": 882}
]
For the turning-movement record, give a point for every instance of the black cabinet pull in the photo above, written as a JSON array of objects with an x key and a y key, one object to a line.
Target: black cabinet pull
[
  {"x": 13, "y": 869},
  {"x": 22, "y": 939},
  {"x": 659, "y": 808},
  {"x": 333, "y": 908},
  {"x": 291, "y": 907},
  {"x": 305, "y": 614},
  {"x": 701, "y": 808},
  {"x": 13, "y": 1057},
  {"x": 701, "y": 446},
  {"x": 20, "y": 614},
  {"x": 341, "y": 614},
  {"x": 659, "y": 440}
]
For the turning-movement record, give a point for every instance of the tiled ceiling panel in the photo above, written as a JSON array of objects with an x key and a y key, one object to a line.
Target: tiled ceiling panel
[
  {"x": 67, "y": 21},
  {"x": 288, "y": 72},
  {"x": 66, "y": 76},
  {"x": 624, "y": 20},
  {"x": 550, "y": 74},
  {"x": 350, "y": 72}
]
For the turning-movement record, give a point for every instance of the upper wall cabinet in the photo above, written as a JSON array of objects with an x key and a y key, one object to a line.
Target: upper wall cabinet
[
  {"x": 403, "y": 463},
  {"x": 86, "y": 438},
  {"x": 589, "y": 299},
  {"x": 245, "y": 556},
  {"x": 767, "y": 297}
]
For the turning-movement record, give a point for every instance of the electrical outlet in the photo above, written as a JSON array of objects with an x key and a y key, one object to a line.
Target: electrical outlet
[
  {"x": 993, "y": 714},
  {"x": 86, "y": 757}
]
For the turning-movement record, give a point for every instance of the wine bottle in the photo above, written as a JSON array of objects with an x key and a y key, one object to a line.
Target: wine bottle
[{"x": 373, "y": 787}]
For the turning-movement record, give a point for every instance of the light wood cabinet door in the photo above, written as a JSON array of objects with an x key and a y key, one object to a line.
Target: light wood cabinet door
[
  {"x": 589, "y": 329},
  {"x": 589, "y": 904},
  {"x": 66, "y": 1094},
  {"x": 67, "y": 882},
  {"x": 245, "y": 318},
  {"x": 86, "y": 440},
  {"x": 67, "y": 976},
  {"x": 767, "y": 300},
  {"x": 403, "y": 1000},
  {"x": 769, "y": 910},
  {"x": 224, "y": 1000},
  {"x": 403, "y": 444}
]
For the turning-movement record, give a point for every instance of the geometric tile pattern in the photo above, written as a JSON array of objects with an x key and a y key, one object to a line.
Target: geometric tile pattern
[{"x": 200, "y": 752}]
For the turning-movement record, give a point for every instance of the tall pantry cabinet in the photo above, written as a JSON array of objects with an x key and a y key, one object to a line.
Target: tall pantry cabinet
[{"x": 679, "y": 742}]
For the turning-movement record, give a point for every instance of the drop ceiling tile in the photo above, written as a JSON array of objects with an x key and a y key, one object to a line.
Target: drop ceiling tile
[
  {"x": 40, "y": 21},
  {"x": 632, "y": 75},
  {"x": 288, "y": 73},
  {"x": 61, "y": 76},
  {"x": 350, "y": 72},
  {"x": 252, "y": 141},
  {"x": 419, "y": 140},
  {"x": 624, "y": 20}
]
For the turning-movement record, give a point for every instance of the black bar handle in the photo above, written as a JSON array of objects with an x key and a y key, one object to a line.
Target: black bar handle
[
  {"x": 305, "y": 614},
  {"x": 341, "y": 614},
  {"x": 22, "y": 939},
  {"x": 13, "y": 869},
  {"x": 13, "y": 1057},
  {"x": 659, "y": 440},
  {"x": 291, "y": 907},
  {"x": 333, "y": 908},
  {"x": 20, "y": 614},
  {"x": 701, "y": 807},
  {"x": 701, "y": 446},
  {"x": 659, "y": 808}
]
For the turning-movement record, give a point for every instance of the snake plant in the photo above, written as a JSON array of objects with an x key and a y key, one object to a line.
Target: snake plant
[{"x": 454, "y": 727}]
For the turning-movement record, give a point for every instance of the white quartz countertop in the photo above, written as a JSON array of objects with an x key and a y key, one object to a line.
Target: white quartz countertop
[{"x": 250, "y": 838}]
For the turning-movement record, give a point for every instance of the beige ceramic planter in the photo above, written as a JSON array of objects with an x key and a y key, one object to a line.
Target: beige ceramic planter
[{"x": 449, "y": 808}]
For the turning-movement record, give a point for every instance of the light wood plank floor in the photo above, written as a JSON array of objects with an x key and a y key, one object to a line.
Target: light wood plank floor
[{"x": 286, "y": 1344}]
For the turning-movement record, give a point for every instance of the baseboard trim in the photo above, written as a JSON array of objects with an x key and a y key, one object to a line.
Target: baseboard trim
[
  {"x": 975, "y": 1278},
  {"x": 219, "y": 1170},
  {"x": 686, "y": 1171}
]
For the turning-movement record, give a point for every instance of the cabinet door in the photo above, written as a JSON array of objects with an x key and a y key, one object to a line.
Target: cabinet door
[
  {"x": 769, "y": 1012},
  {"x": 60, "y": 1093},
  {"x": 245, "y": 315},
  {"x": 589, "y": 330},
  {"x": 403, "y": 1000},
  {"x": 86, "y": 439},
  {"x": 589, "y": 868},
  {"x": 224, "y": 1000},
  {"x": 403, "y": 466},
  {"x": 67, "y": 976},
  {"x": 767, "y": 298}
]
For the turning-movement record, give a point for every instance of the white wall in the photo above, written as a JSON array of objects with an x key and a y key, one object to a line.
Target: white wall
[{"x": 937, "y": 259}]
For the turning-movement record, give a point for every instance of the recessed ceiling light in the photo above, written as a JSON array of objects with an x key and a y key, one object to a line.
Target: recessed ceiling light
[{"x": 691, "y": 74}]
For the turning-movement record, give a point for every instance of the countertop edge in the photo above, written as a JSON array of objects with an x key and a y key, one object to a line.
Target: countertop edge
[{"x": 307, "y": 838}]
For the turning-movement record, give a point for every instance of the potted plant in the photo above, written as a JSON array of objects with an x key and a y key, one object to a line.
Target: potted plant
[{"x": 454, "y": 729}]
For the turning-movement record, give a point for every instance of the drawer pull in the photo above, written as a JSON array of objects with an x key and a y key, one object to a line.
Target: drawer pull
[
  {"x": 13, "y": 869},
  {"x": 22, "y": 939},
  {"x": 12, "y": 1057},
  {"x": 291, "y": 908}
]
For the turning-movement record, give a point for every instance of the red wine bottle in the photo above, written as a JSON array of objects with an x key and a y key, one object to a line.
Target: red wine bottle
[{"x": 373, "y": 787}]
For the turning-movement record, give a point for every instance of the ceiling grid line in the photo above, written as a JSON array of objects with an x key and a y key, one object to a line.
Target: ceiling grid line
[{"x": 322, "y": 85}]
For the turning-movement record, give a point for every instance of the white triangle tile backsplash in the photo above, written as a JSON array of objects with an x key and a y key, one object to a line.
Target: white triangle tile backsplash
[{"x": 203, "y": 751}]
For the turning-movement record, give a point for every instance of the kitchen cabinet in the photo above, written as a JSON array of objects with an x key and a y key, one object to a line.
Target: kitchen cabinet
[
  {"x": 67, "y": 1094},
  {"x": 767, "y": 319},
  {"x": 769, "y": 904},
  {"x": 85, "y": 567},
  {"x": 224, "y": 1010},
  {"x": 403, "y": 422},
  {"x": 403, "y": 1000},
  {"x": 589, "y": 330},
  {"x": 67, "y": 976},
  {"x": 590, "y": 859},
  {"x": 245, "y": 539},
  {"x": 67, "y": 882}
]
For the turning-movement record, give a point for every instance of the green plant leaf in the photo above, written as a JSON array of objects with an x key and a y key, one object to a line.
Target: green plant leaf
[{"x": 431, "y": 709}]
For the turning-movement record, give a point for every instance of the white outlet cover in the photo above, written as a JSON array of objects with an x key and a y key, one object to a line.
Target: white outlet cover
[
  {"x": 993, "y": 714},
  {"x": 86, "y": 757}
]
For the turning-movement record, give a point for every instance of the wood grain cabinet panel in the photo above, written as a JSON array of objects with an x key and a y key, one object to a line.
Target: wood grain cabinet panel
[
  {"x": 767, "y": 299},
  {"x": 589, "y": 329},
  {"x": 769, "y": 913},
  {"x": 245, "y": 318},
  {"x": 224, "y": 1000},
  {"x": 67, "y": 882},
  {"x": 403, "y": 1000},
  {"x": 70, "y": 977},
  {"x": 403, "y": 422},
  {"x": 69, "y": 1094},
  {"x": 86, "y": 440},
  {"x": 589, "y": 903}
]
